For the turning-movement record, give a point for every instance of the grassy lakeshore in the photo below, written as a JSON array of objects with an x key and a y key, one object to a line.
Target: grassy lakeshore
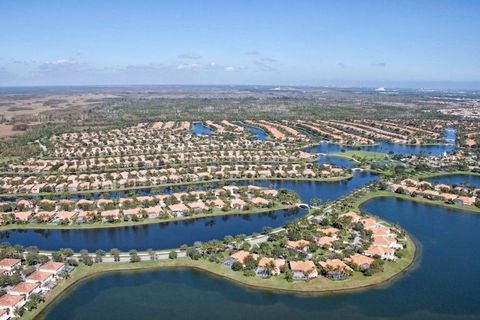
[
  {"x": 100, "y": 225},
  {"x": 377, "y": 194},
  {"x": 444, "y": 173},
  {"x": 274, "y": 283},
  {"x": 350, "y": 154},
  {"x": 66, "y": 194}
]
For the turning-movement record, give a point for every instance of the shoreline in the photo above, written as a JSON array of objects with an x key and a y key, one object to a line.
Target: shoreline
[
  {"x": 104, "y": 225},
  {"x": 322, "y": 285},
  {"x": 380, "y": 194},
  {"x": 276, "y": 284},
  {"x": 16, "y": 195},
  {"x": 446, "y": 173}
]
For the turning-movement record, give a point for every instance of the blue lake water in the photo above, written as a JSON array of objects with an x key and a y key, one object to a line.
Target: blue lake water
[
  {"x": 259, "y": 133},
  {"x": 337, "y": 161},
  {"x": 386, "y": 147},
  {"x": 443, "y": 284},
  {"x": 201, "y": 129},
  {"x": 455, "y": 179},
  {"x": 173, "y": 234}
]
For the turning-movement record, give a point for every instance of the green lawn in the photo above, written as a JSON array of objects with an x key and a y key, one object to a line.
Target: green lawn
[
  {"x": 443, "y": 173},
  {"x": 275, "y": 283},
  {"x": 6, "y": 159},
  {"x": 352, "y": 154},
  {"x": 376, "y": 194}
]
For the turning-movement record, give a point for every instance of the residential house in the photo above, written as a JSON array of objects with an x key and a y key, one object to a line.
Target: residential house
[
  {"x": 25, "y": 288},
  {"x": 303, "y": 270},
  {"x": 10, "y": 302}
]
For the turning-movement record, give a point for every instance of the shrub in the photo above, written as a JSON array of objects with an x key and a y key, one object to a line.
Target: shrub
[{"x": 237, "y": 266}]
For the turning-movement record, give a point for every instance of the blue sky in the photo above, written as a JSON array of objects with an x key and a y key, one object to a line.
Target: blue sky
[{"x": 341, "y": 43}]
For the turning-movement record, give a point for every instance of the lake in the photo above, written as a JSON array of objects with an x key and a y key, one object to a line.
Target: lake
[
  {"x": 201, "y": 129},
  {"x": 165, "y": 235},
  {"x": 386, "y": 147},
  {"x": 259, "y": 133},
  {"x": 443, "y": 284},
  {"x": 452, "y": 179}
]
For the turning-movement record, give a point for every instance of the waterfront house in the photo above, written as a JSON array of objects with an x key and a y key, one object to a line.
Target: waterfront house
[
  {"x": 154, "y": 212},
  {"x": 44, "y": 216},
  {"x": 178, "y": 209},
  {"x": 237, "y": 204},
  {"x": 5, "y": 314},
  {"x": 55, "y": 268},
  {"x": 335, "y": 269},
  {"x": 132, "y": 213},
  {"x": 384, "y": 253},
  {"x": 197, "y": 206},
  {"x": 264, "y": 261},
  {"x": 303, "y": 270},
  {"x": 238, "y": 256},
  {"x": 430, "y": 194},
  {"x": 260, "y": 201},
  {"x": 110, "y": 215},
  {"x": 22, "y": 215},
  {"x": 442, "y": 187},
  {"x": 467, "y": 201},
  {"x": 10, "y": 302},
  {"x": 64, "y": 215},
  {"x": 42, "y": 278},
  {"x": 85, "y": 216},
  {"x": 25, "y": 288},
  {"x": 217, "y": 203},
  {"x": 360, "y": 261},
  {"x": 448, "y": 196},
  {"x": 270, "y": 192}
]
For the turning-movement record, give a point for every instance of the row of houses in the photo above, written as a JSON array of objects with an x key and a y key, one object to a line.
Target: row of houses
[
  {"x": 40, "y": 281},
  {"x": 154, "y": 206},
  {"x": 130, "y": 179},
  {"x": 455, "y": 160},
  {"x": 381, "y": 241},
  {"x": 458, "y": 195},
  {"x": 158, "y": 160},
  {"x": 280, "y": 130},
  {"x": 332, "y": 132},
  {"x": 146, "y": 140}
]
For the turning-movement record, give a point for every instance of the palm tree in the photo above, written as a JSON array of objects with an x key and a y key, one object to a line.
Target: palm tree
[{"x": 270, "y": 267}]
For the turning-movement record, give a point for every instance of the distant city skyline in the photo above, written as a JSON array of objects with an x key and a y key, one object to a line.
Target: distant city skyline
[{"x": 403, "y": 44}]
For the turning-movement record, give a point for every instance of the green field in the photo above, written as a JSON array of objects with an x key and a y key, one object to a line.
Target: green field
[{"x": 358, "y": 154}]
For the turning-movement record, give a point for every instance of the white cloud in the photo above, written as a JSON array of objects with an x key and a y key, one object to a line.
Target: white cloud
[
  {"x": 189, "y": 66},
  {"x": 191, "y": 56}
]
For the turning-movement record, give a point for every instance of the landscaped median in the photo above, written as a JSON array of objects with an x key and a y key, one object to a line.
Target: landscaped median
[{"x": 276, "y": 283}]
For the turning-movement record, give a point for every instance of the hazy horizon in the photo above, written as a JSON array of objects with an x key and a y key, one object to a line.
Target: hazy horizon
[{"x": 422, "y": 44}]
